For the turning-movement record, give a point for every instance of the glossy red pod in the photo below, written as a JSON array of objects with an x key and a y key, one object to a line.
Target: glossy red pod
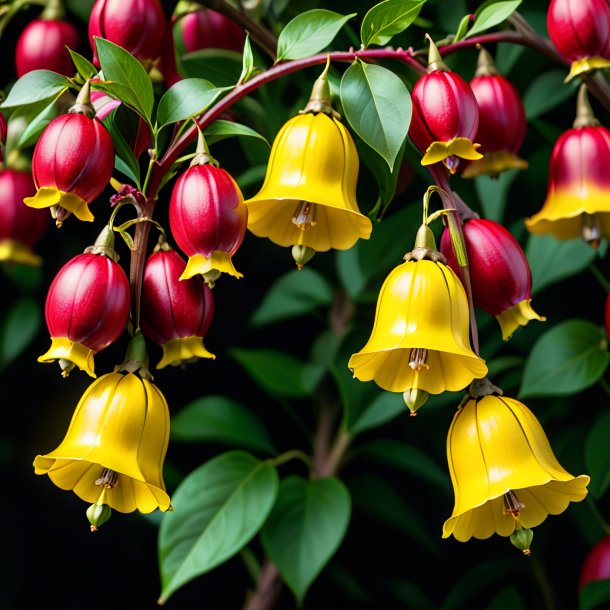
[
  {"x": 72, "y": 164},
  {"x": 208, "y": 29},
  {"x": 176, "y": 313},
  {"x": 136, "y": 25},
  {"x": 596, "y": 565},
  {"x": 208, "y": 219},
  {"x": 42, "y": 46},
  {"x": 499, "y": 272},
  {"x": 21, "y": 227}
]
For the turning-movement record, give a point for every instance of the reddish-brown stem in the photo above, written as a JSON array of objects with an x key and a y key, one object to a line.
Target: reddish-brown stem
[
  {"x": 138, "y": 259},
  {"x": 268, "y": 590}
]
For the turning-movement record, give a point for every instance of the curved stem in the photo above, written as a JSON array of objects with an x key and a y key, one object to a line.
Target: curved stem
[{"x": 293, "y": 454}]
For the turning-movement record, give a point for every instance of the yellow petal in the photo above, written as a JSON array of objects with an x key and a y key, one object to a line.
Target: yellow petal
[
  {"x": 457, "y": 147},
  {"x": 218, "y": 260},
  {"x": 64, "y": 349},
  {"x": 183, "y": 349},
  {"x": 514, "y": 317},
  {"x": 49, "y": 196},
  {"x": 584, "y": 65},
  {"x": 12, "y": 251},
  {"x": 493, "y": 164}
]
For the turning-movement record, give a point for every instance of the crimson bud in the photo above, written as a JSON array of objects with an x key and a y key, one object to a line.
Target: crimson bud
[
  {"x": 87, "y": 306},
  {"x": 3, "y": 132},
  {"x": 175, "y": 314},
  {"x": 499, "y": 272},
  {"x": 208, "y": 29},
  {"x": 596, "y": 565}
]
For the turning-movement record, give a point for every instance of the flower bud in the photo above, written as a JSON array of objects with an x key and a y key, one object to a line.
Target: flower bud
[
  {"x": 596, "y": 565},
  {"x": 98, "y": 514},
  {"x": 499, "y": 272},
  {"x": 72, "y": 164},
  {"x": 208, "y": 219},
  {"x": 522, "y": 539},
  {"x": 42, "y": 46},
  {"x": 136, "y": 25},
  {"x": 208, "y": 29},
  {"x": 20, "y": 227},
  {"x": 580, "y": 31},
  {"x": 175, "y": 314},
  {"x": 302, "y": 255}
]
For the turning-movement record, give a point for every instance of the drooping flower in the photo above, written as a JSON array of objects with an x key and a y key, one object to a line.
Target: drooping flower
[
  {"x": 308, "y": 197},
  {"x": 578, "y": 195},
  {"x": 445, "y": 115},
  {"x": 209, "y": 29},
  {"x": 175, "y": 314},
  {"x": 580, "y": 31},
  {"x": 596, "y": 565},
  {"x": 499, "y": 273},
  {"x": 502, "y": 122},
  {"x": 112, "y": 454},
  {"x": 504, "y": 473},
  {"x": 420, "y": 341}
]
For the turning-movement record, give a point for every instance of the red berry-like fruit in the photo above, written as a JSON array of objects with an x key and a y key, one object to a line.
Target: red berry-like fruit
[
  {"x": 208, "y": 29},
  {"x": 596, "y": 565},
  {"x": 42, "y": 46},
  {"x": 176, "y": 313}
]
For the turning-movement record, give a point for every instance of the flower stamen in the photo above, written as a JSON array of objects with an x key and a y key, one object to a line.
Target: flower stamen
[
  {"x": 305, "y": 215},
  {"x": 590, "y": 230},
  {"x": 512, "y": 505},
  {"x": 417, "y": 358},
  {"x": 109, "y": 479}
]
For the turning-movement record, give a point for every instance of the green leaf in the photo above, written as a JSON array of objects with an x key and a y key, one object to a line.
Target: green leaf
[
  {"x": 597, "y": 456},
  {"x": 187, "y": 98},
  {"x": 247, "y": 64},
  {"x": 220, "y": 67},
  {"x": 125, "y": 77},
  {"x": 279, "y": 373},
  {"x": 309, "y": 32},
  {"x": 222, "y": 420},
  {"x": 387, "y": 19},
  {"x": 294, "y": 294},
  {"x": 35, "y": 86},
  {"x": 125, "y": 160},
  {"x": 83, "y": 66},
  {"x": 305, "y": 528},
  {"x": 36, "y": 125},
  {"x": 552, "y": 260},
  {"x": 493, "y": 193},
  {"x": 507, "y": 599},
  {"x": 377, "y": 105},
  {"x": 568, "y": 358},
  {"x": 218, "y": 509},
  {"x": 19, "y": 327},
  {"x": 462, "y": 28},
  {"x": 593, "y": 594},
  {"x": 536, "y": 98},
  {"x": 492, "y": 13},
  {"x": 221, "y": 130},
  {"x": 385, "y": 407}
]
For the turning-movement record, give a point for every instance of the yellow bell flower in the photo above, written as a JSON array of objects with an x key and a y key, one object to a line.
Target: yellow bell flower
[
  {"x": 114, "y": 449},
  {"x": 504, "y": 473}
]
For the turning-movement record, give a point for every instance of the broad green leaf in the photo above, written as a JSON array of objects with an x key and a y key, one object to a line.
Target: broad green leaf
[
  {"x": 125, "y": 77},
  {"x": 125, "y": 160},
  {"x": 247, "y": 65},
  {"x": 222, "y": 420},
  {"x": 462, "y": 28},
  {"x": 35, "y": 86},
  {"x": 187, "y": 98},
  {"x": 36, "y": 126},
  {"x": 536, "y": 98},
  {"x": 221, "y": 130},
  {"x": 19, "y": 327},
  {"x": 83, "y": 66},
  {"x": 567, "y": 359},
  {"x": 385, "y": 407},
  {"x": 492, "y": 13},
  {"x": 305, "y": 528},
  {"x": 507, "y": 599},
  {"x": 218, "y": 509},
  {"x": 377, "y": 105},
  {"x": 387, "y": 19},
  {"x": 309, "y": 32},
  {"x": 493, "y": 193},
  {"x": 279, "y": 373},
  {"x": 552, "y": 260},
  {"x": 294, "y": 294},
  {"x": 407, "y": 458},
  {"x": 594, "y": 594},
  {"x": 597, "y": 456},
  {"x": 220, "y": 67}
]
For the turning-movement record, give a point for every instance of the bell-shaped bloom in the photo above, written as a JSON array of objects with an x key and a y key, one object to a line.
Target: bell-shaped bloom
[
  {"x": 21, "y": 228},
  {"x": 42, "y": 46},
  {"x": 502, "y": 122},
  {"x": 175, "y": 314},
  {"x": 136, "y": 25},
  {"x": 115, "y": 446},
  {"x": 208, "y": 29},
  {"x": 596, "y": 565},
  {"x": 503, "y": 470},
  {"x": 499, "y": 273},
  {"x": 208, "y": 219},
  {"x": 72, "y": 164},
  {"x": 87, "y": 309},
  {"x": 420, "y": 338},
  {"x": 580, "y": 31},
  {"x": 308, "y": 197}
]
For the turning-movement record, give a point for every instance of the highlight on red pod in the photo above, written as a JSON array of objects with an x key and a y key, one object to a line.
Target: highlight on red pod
[{"x": 596, "y": 564}]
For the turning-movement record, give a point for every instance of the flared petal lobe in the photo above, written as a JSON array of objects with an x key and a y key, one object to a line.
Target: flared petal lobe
[{"x": 496, "y": 445}]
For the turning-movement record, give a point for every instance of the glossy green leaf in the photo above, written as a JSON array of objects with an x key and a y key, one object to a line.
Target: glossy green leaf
[
  {"x": 221, "y": 67},
  {"x": 536, "y": 98},
  {"x": 189, "y": 97},
  {"x": 247, "y": 65},
  {"x": 552, "y": 260},
  {"x": 279, "y": 373},
  {"x": 294, "y": 294},
  {"x": 19, "y": 327},
  {"x": 305, "y": 528},
  {"x": 382, "y": 409},
  {"x": 35, "y": 86},
  {"x": 83, "y": 66},
  {"x": 492, "y": 13},
  {"x": 597, "y": 456},
  {"x": 309, "y": 32},
  {"x": 221, "y": 130},
  {"x": 568, "y": 358},
  {"x": 218, "y": 509},
  {"x": 125, "y": 160},
  {"x": 37, "y": 124},
  {"x": 377, "y": 105},
  {"x": 125, "y": 77},
  {"x": 594, "y": 594},
  {"x": 462, "y": 28},
  {"x": 387, "y": 19},
  {"x": 218, "y": 419}
]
